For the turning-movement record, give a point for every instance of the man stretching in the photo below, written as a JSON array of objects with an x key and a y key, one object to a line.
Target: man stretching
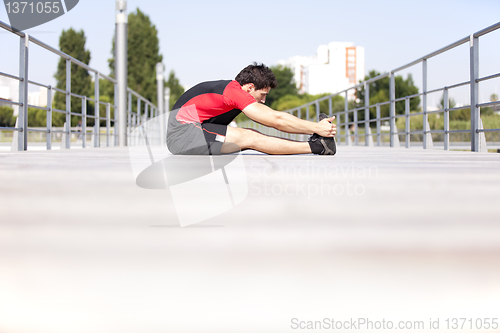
[{"x": 198, "y": 124}]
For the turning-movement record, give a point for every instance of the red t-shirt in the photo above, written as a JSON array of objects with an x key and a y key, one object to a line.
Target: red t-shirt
[{"x": 213, "y": 101}]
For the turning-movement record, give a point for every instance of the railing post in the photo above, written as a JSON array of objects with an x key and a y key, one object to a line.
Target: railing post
[
  {"x": 108, "y": 123},
  {"x": 367, "y": 112},
  {"x": 307, "y": 112},
  {"x": 84, "y": 121},
  {"x": 355, "y": 120},
  {"x": 68, "y": 104},
  {"x": 22, "y": 143},
  {"x": 49, "y": 118},
  {"x": 115, "y": 112},
  {"x": 121, "y": 69},
  {"x": 330, "y": 109},
  {"x": 129, "y": 117},
  {"x": 346, "y": 118},
  {"x": 425, "y": 119},
  {"x": 392, "y": 109},
  {"x": 297, "y": 137},
  {"x": 474, "y": 93},
  {"x": 159, "y": 85},
  {"x": 97, "y": 113},
  {"x": 407, "y": 122},
  {"x": 139, "y": 118},
  {"x": 446, "y": 105},
  {"x": 378, "y": 125},
  {"x": 317, "y": 111}
]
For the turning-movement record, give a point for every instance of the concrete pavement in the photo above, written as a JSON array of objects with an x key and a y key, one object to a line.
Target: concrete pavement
[{"x": 376, "y": 233}]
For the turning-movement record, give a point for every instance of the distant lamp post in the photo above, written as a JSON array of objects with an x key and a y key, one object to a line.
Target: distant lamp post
[
  {"x": 159, "y": 83},
  {"x": 121, "y": 69},
  {"x": 159, "y": 80}
]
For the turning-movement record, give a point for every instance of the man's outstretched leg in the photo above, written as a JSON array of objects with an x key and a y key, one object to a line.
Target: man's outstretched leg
[{"x": 251, "y": 139}]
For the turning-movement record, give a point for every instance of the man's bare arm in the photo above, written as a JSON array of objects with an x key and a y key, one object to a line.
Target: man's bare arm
[{"x": 287, "y": 123}]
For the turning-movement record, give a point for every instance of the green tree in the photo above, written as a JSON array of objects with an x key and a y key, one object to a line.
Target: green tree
[
  {"x": 73, "y": 44},
  {"x": 142, "y": 54},
  {"x": 38, "y": 118},
  {"x": 6, "y": 116},
  {"x": 451, "y": 103},
  {"x": 286, "y": 85},
  {"x": 459, "y": 115},
  {"x": 176, "y": 90},
  {"x": 379, "y": 92}
]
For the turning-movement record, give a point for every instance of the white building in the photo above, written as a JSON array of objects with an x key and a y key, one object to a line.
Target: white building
[
  {"x": 9, "y": 90},
  {"x": 335, "y": 67},
  {"x": 38, "y": 98}
]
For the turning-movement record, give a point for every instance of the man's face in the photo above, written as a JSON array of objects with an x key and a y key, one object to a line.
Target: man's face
[{"x": 259, "y": 95}]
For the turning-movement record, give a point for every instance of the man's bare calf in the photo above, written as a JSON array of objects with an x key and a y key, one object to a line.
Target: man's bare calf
[{"x": 251, "y": 139}]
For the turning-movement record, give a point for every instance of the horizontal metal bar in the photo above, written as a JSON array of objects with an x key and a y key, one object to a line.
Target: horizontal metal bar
[
  {"x": 482, "y": 105},
  {"x": 53, "y": 50},
  {"x": 59, "y": 90},
  {"x": 109, "y": 78},
  {"x": 459, "y": 108},
  {"x": 385, "y": 118},
  {"x": 58, "y": 131},
  {"x": 409, "y": 97},
  {"x": 38, "y": 84},
  {"x": 436, "y": 111},
  {"x": 59, "y": 111},
  {"x": 435, "y": 90},
  {"x": 11, "y": 129},
  {"x": 433, "y": 54},
  {"x": 363, "y": 121},
  {"x": 488, "y": 130},
  {"x": 38, "y": 107},
  {"x": 10, "y": 102},
  {"x": 11, "y": 29},
  {"x": 458, "y": 85},
  {"x": 76, "y": 95},
  {"x": 488, "y": 77},
  {"x": 136, "y": 94},
  {"x": 458, "y": 131},
  {"x": 11, "y": 76},
  {"x": 428, "y": 56},
  {"x": 38, "y": 130},
  {"x": 487, "y": 30},
  {"x": 376, "y": 78}
]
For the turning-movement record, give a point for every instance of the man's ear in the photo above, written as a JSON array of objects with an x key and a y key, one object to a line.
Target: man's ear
[{"x": 249, "y": 87}]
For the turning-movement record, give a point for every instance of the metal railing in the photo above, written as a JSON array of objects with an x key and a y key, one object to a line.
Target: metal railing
[
  {"x": 135, "y": 118},
  {"x": 475, "y": 122}
]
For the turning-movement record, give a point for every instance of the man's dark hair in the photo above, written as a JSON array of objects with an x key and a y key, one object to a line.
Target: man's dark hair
[{"x": 258, "y": 74}]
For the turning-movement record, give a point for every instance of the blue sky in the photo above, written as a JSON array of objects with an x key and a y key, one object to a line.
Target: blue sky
[{"x": 204, "y": 40}]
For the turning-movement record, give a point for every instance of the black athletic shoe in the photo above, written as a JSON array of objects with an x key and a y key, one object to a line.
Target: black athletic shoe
[{"x": 322, "y": 145}]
